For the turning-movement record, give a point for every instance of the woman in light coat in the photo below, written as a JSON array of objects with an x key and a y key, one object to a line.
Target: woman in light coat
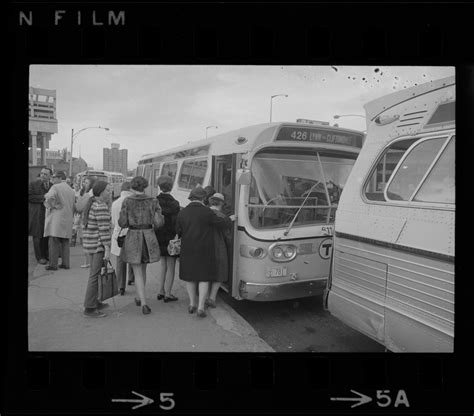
[
  {"x": 82, "y": 202},
  {"x": 140, "y": 213}
]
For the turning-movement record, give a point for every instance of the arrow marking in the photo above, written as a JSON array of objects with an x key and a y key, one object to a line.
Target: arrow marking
[
  {"x": 362, "y": 399},
  {"x": 144, "y": 400}
]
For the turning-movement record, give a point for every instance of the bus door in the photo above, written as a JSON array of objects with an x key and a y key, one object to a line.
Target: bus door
[
  {"x": 147, "y": 175},
  {"x": 154, "y": 180},
  {"x": 223, "y": 181}
]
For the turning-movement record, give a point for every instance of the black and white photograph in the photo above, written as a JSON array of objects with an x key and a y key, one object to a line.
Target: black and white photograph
[{"x": 241, "y": 208}]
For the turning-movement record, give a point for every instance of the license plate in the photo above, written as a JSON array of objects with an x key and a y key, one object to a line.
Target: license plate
[{"x": 276, "y": 272}]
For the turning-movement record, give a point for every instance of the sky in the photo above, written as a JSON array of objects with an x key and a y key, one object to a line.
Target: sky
[{"x": 150, "y": 108}]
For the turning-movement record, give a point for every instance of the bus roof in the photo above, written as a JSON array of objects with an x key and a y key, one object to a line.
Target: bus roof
[
  {"x": 98, "y": 171},
  {"x": 227, "y": 143},
  {"x": 376, "y": 107}
]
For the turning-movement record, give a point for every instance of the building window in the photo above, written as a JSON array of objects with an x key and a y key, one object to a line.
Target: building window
[{"x": 192, "y": 173}]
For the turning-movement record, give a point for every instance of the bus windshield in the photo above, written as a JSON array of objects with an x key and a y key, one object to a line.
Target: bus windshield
[
  {"x": 282, "y": 180},
  {"x": 97, "y": 177}
]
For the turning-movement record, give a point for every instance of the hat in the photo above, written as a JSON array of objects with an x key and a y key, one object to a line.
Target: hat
[
  {"x": 99, "y": 187},
  {"x": 217, "y": 196},
  {"x": 197, "y": 193}
]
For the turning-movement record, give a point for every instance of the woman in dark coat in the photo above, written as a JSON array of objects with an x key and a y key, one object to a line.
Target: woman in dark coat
[
  {"x": 140, "y": 213},
  {"x": 169, "y": 209},
  {"x": 198, "y": 265}
]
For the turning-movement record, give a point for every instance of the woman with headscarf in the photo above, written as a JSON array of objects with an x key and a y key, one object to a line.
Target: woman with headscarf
[
  {"x": 140, "y": 213},
  {"x": 169, "y": 209},
  {"x": 96, "y": 243},
  {"x": 222, "y": 246},
  {"x": 198, "y": 264}
]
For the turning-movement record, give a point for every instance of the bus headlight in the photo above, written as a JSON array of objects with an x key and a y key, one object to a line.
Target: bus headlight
[
  {"x": 289, "y": 252},
  {"x": 277, "y": 253},
  {"x": 252, "y": 252},
  {"x": 257, "y": 252},
  {"x": 283, "y": 252}
]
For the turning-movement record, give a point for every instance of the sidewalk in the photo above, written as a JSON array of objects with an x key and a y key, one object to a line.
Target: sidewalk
[{"x": 56, "y": 322}]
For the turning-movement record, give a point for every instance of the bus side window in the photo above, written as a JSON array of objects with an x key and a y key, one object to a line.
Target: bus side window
[
  {"x": 192, "y": 173},
  {"x": 409, "y": 174},
  {"x": 375, "y": 187},
  {"x": 439, "y": 185}
]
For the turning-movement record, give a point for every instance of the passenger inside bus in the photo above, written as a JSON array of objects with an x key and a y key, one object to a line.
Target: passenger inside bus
[{"x": 305, "y": 180}]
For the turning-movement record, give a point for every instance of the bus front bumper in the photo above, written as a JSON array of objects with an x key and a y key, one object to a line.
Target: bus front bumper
[{"x": 282, "y": 291}]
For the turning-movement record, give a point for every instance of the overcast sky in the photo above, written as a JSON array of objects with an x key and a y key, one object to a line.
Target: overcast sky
[{"x": 151, "y": 108}]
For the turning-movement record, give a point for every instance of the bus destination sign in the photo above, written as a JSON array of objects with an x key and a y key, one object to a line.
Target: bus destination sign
[{"x": 318, "y": 135}]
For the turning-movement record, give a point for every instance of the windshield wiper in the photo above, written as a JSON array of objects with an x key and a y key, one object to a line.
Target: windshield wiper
[{"x": 299, "y": 209}]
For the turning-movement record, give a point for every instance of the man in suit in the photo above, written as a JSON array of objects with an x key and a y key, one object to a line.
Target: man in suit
[
  {"x": 59, "y": 203},
  {"x": 36, "y": 191}
]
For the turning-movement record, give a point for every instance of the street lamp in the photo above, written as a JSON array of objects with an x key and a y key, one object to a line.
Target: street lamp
[
  {"x": 336, "y": 116},
  {"x": 208, "y": 127},
  {"x": 74, "y": 135},
  {"x": 271, "y": 101}
]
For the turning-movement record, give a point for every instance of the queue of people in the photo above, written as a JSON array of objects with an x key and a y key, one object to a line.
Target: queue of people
[{"x": 58, "y": 213}]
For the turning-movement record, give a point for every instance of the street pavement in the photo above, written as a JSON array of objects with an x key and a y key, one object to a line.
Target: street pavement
[{"x": 56, "y": 321}]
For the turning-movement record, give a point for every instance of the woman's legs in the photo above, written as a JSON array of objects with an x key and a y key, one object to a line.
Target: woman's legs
[
  {"x": 191, "y": 288},
  {"x": 91, "y": 301},
  {"x": 140, "y": 281},
  {"x": 162, "y": 277},
  {"x": 203, "y": 293},
  {"x": 169, "y": 264},
  {"x": 214, "y": 289}
]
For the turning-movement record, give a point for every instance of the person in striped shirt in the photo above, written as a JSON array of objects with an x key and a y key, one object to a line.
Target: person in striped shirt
[{"x": 96, "y": 242}]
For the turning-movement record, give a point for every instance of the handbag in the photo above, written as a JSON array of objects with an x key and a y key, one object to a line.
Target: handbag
[
  {"x": 107, "y": 282},
  {"x": 174, "y": 246}
]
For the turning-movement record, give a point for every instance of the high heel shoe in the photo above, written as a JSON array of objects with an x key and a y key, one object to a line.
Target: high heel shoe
[
  {"x": 170, "y": 298},
  {"x": 146, "y": 310},
  {"x": 192, "y": 309},
  {"x": 138, "y": 302}
]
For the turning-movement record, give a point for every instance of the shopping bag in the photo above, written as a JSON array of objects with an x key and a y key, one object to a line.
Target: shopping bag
[
  {"x": 174, "y": 246},
  {"x": 108, "y": 285}
]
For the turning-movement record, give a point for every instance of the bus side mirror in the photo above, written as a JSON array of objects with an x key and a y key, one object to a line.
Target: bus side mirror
[{"x": 243, "y": 177}]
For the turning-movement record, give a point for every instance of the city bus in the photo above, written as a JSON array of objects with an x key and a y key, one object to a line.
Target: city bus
[
  {"x": 393, "y": 259},
  {"x": 283, "y": 181},
  {"x": 114, "y": 178}
]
